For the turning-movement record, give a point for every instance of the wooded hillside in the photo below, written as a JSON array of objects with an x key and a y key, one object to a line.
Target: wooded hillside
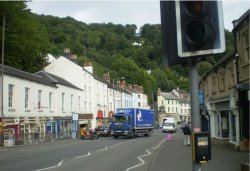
[{"x": 113, "y": 48}]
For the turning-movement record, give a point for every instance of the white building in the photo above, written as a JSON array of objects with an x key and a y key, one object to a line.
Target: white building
[
  {"x": 31, "y": 101},
  {"x": 82, "y": 78},
  {"x": 184, "y": 101},
  {"x": 168, "y": 104}
]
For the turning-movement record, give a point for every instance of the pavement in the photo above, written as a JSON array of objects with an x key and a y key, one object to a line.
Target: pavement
[{"x": 174, "y": 156}]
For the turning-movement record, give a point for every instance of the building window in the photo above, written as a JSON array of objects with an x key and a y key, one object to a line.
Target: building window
[
  {"x": 50, "y": 101},
  {"x": 10, "y": 95},
  {"x": 79, "y": 103},
  {"x": 139, "y": 104},
  {"x": 71, "y": 102},
  {"x": 39, "y": 99},
  {"x": 63, "y": 95},
  {"x": 222, "y": 81},
  {"x": 26, "y": 100},
  {"x": 213, "y": 84},
  {"x": 222, "y": 124},
  {"x": 231, "y": 76},
  {"x": 246, "y": 46}
]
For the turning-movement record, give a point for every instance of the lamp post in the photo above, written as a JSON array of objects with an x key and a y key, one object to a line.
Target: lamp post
[{"x": 2, "y": 119}]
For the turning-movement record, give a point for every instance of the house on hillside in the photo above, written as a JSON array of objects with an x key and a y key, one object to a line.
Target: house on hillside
[
  {"x": 184, "y": 104},
  {"x": 168, "y": 105}
]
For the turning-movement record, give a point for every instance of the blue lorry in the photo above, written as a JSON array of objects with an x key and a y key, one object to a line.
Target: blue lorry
[{"x": 132, "y": 122}]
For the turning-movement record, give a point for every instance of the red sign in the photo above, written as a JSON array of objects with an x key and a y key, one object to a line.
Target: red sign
[{"x": 100, "y": 114}]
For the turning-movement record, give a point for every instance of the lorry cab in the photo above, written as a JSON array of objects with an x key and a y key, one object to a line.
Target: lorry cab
[{"x": 121, "y": 124}]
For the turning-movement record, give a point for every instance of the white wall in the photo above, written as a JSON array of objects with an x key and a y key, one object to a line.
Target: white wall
[{"x": 19, "y": 110}]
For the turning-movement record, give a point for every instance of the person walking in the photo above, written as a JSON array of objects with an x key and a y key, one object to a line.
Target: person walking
[{"x": 187, "y": 133}]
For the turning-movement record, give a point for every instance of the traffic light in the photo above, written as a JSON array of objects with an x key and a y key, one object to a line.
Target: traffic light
[
  {"x": 191, "y": 29},
  {"x": 200, "y": 28}
]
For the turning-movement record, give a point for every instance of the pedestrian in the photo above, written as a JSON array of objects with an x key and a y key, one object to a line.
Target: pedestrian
[{"x": 187, "y": 133}]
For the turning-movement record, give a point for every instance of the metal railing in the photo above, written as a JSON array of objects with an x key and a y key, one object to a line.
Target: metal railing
[{"x": 34, "y": 138}]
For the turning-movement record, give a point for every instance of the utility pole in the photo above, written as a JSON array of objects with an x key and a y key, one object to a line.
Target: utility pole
[
  {"x": 2, "y": 66},
  {"x": 114, "y": 94},
  {"x": 2, "y": 115},
  {"x": 195, "y": 116}
]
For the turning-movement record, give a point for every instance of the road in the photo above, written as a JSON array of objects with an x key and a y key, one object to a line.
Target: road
[{"x": 104, "y": 153}]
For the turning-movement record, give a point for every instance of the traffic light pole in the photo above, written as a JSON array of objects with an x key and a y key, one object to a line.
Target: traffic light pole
[{"x": 195, "y": 116}]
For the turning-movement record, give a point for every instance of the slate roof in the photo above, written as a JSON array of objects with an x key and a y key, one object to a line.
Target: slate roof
[
  {"x": 55, "y": 79},
  {"x": 25, "y": 75},
  {"x": 169, "y": 96}
]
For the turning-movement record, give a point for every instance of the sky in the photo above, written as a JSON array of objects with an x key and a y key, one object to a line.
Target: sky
[{"x": 123, "y": 12}]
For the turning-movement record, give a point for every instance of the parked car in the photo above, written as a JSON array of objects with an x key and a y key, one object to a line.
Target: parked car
[{"x": 104, "y": 130}]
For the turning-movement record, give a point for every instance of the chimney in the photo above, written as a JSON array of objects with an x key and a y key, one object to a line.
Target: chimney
[
  {"x": 106, "y": 77},
  {"x": 123, "y": 84},
  {"x": 141, "y": 89},
  {"x": 158, "y": 92},
  {"x": 66, "y": 53},
  {"x": 88, "y": 66},
  {"x": 73, "y": 56},
  {"x": 130, "y": 86},
  {"x": 135, "y": 87}
]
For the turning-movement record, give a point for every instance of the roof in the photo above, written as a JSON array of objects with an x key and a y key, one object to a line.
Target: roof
[
  {"x": 182, "y": 91},
  {"x": 243, "y": 19},
  {"x": 169, "y": 96},
  {"x": 25, "y": 75},
  {"x": 55, "y": 79},
  {"x": 227, "y": 57}
]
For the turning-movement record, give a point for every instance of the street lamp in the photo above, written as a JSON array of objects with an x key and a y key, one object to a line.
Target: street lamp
[{"x": 2, "y": 119}]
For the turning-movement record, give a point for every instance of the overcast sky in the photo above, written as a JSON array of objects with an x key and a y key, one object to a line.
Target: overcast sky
[{"x": 123, "y": 12}]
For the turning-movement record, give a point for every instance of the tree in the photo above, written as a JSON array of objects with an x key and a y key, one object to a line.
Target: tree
[
  {"x": 26, "y": 41},
  {"x": 162, "y": 81}
]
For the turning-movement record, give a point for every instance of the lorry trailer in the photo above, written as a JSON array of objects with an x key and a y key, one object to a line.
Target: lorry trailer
[{"x": 132, "y": 121}]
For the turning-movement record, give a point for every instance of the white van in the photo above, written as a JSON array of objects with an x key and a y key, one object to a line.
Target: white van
[{"x": 169, "y": 125}]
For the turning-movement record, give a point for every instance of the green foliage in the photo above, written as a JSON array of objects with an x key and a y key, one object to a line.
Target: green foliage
[
  {"x": 29, "y": 37},
  {"x": 26, "y": 40}
]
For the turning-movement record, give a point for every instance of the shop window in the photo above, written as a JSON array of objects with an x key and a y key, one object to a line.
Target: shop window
[
  {"x": 233, "y": 127},
  {"x": 222, "y": 125},
  {"x": 246, "y": 46}
]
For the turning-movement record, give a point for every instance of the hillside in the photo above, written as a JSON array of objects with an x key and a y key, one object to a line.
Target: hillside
[{"x": 116, "y": 49}]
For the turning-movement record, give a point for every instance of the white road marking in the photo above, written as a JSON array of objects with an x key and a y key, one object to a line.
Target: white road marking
[
  {"x": 148, "y": 153},
  {"x": 105, "y": 148},
  {"x": 61, "y": 162},
  {"x": 142, "y": 161},
  {"x": 83, "y": 155}
]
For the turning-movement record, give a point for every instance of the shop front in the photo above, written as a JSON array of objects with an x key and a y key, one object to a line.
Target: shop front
[
  {"x": 58, "y": 128},
  {"x": 224, "y": 123}
]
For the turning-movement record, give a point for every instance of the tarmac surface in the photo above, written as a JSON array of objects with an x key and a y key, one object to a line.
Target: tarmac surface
[{"x": 174, "y": 156}]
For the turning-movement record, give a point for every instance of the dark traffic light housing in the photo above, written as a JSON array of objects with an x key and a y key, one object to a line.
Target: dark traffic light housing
[{"x": 191, "y": 29}]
